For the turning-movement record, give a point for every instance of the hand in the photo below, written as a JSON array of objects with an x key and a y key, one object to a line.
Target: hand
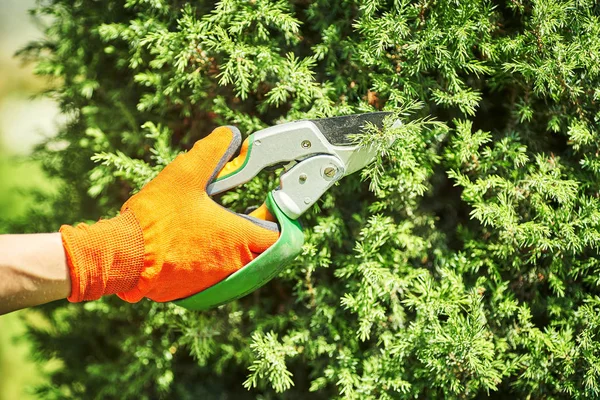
[{"x": 171, "y": 239}]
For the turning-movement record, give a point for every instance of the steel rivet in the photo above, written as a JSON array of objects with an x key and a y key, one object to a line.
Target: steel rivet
[
  {"x": 330, "y": 172},
  {"x": 307, "y": 200},
  {"x": 257, "y": 142},
  {"x": 306, "y": 144},
  {"x": 302, "y": 178}
]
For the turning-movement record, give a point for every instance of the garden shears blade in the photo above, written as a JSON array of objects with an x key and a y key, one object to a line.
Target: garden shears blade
[{"x": 315, "y": 155}]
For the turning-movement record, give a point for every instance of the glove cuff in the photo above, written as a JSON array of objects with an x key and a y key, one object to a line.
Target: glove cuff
[{"x": 104, "y": 258}]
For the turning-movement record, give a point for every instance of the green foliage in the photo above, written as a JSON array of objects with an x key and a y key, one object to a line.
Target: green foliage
[{"x": 464, "y": 262}]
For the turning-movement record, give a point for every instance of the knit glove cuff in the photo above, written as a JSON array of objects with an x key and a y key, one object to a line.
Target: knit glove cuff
[{"x": 104, "y": 258}]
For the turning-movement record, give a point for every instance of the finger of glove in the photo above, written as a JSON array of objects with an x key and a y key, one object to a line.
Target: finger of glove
[
  {"x": 209, "y": 155},
  {"x": 263, "y": 239},
  {"x": 261, "y": 234},
  {"x": 272, "y": 226},
  {"x": 192, "y": 171},
  {"x": 196, "y": 168}
]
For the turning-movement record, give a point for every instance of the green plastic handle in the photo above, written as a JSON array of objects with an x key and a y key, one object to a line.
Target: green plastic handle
[{"x": 256, "y": 273}]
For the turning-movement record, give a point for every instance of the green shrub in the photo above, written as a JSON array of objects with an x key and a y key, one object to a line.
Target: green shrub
[{"x": 463, "y": 263}]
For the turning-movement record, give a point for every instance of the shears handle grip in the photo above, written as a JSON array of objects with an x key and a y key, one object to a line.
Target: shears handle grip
[{"x": 259, "y": 271}]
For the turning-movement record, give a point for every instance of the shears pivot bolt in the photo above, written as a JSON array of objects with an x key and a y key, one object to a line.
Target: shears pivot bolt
[{"x": 330, "y": 172}]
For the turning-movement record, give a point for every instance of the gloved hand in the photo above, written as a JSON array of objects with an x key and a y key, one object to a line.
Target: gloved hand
[{"x": 171, "y": 239}]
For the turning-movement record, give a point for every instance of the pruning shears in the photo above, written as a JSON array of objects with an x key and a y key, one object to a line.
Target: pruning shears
[{"x": 317, "y": 153}]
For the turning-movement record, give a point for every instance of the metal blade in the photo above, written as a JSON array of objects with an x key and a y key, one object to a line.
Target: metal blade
[{"x": 337, "y": 130}]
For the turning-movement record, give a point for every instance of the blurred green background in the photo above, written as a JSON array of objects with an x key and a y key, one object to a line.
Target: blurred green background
[{"x": 24, "y": 122}]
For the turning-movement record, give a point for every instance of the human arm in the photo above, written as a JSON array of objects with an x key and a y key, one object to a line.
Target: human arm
[
  {"x": 33, "y": 270},
  {"x": 170, "y": 240}
]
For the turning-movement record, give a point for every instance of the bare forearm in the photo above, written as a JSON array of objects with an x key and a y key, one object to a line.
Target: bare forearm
[{"x": 33, "y": 270}]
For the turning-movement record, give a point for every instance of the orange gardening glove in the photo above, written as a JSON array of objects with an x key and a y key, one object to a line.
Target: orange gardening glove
[{"x": 171, "y": 239}]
